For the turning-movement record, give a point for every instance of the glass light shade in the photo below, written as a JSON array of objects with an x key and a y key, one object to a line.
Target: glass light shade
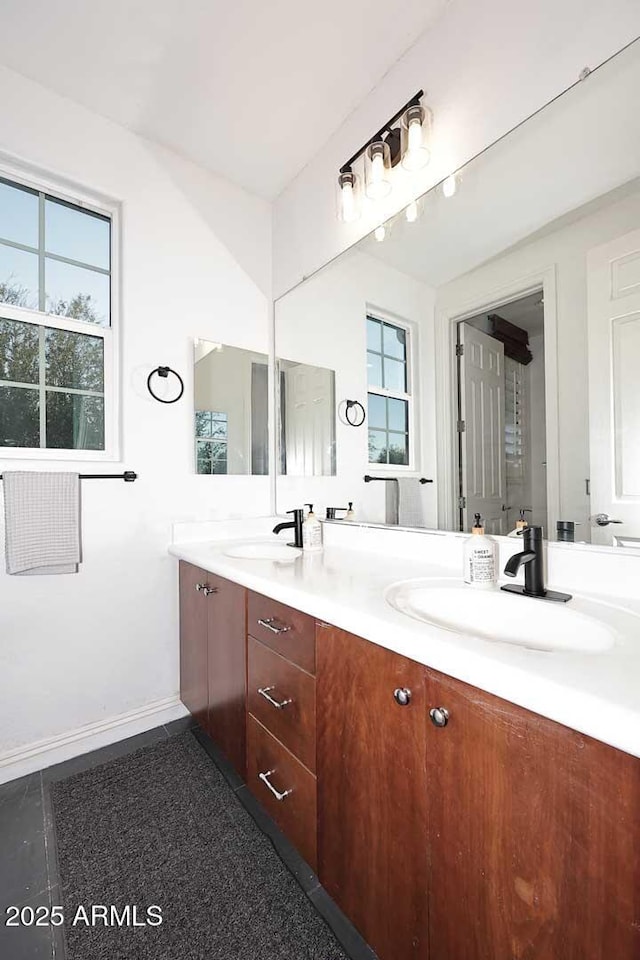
[
  {"x": 348, "y": 196},
  {"x": 416, "y": 130},
  {"x": 449, "y": 185},
  {"x": 412, "y": 212},
  {"x": 377, "y": 167}
]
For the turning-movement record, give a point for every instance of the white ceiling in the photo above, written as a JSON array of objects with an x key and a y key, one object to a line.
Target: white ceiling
[{"x": 249, "y": 89}]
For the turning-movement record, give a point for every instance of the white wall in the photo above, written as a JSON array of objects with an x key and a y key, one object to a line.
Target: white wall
[
  {"x": 563, "y": 249},
  {"x": 485, "y": 67},
  {"x": 323, "y": 322},
  {"x": 79, "y": 650}
]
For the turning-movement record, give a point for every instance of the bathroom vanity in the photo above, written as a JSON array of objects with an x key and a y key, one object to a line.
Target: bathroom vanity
[{"x": 445, "y": 821}]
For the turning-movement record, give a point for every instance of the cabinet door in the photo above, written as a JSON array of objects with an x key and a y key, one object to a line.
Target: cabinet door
[
  {"x": 371, "y": 791},
  {"x": 226, "y": 612},
  {"x": 535, "y": 836},
  {"x": 193, "y": 642}
]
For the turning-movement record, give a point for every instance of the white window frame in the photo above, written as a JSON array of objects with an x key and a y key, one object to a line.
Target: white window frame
[
  {"x": 106, "y": 207},
  {"x": 411, "y": 335}
]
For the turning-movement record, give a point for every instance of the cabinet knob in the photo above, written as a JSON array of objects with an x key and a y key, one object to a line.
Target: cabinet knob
[
  {"x": 439, "y": 716},
  {"x": 402, "y": 696},
  {"x": 199, "y": 587},
  {"x": 207, "y": 590}
]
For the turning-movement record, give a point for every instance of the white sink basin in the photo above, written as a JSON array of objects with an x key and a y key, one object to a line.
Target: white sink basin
[
  {"x": 263, "y": 550},
  {"x": 496, "y": 615}
]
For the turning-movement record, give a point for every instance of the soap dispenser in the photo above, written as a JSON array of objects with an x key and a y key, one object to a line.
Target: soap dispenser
[
  {"x": 350, "y": 514},
  {"x": 311, "y": 532},
  {"x": 521, "y": 524},
  {"x": 480, "y": 558}
]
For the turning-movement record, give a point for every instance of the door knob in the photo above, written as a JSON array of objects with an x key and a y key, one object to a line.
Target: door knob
[
  {"x": 603, "y": 519},
  {"x": 439, "y": 716},
  {"x": 402, "y": 696}
]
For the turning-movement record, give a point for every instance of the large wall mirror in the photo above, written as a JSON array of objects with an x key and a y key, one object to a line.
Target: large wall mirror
[
  {"x": 231, "y": 393},
  {"x": 491, "y": 333}
]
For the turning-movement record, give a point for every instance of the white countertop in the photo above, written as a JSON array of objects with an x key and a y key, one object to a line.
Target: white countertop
[{"x": 596, "y": 694}]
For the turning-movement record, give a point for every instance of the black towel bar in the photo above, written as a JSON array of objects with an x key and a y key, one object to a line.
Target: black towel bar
[
  {"x": 368, "y": 479},
  {"x": 128, "y": 476}
]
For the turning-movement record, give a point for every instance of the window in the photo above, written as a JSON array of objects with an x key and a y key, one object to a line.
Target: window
[
  {"x": 212, "y": 438},
  {"x": 56, "y": 332},
  {"x": 389, "y": 396}
]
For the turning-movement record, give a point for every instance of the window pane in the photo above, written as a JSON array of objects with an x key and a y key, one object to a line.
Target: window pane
[
  {"x": 18, "y": 215},
  {"x": 377, "y": 446},
  {"x": 74, "y": 360},
  {"x": 219, "y": 466},
  {"x": 203, "y": 423},
  {"x": 18, "y": 277},
  {"x": 377, "y": 411},
  {"x": 204, "y": 462},
  {"x": 374, "y": 370},
  {"x": 76, "y": 234},
  {"x": 398, "y": 414},
  {"x": 19, "y": 417},
  {"x": 374, "y": 335},
  {"x": 75, "y": 422},
  {"x": 395, "y": 342},
  {"x": 76, "y": 292},
  {"x": 19, "y": 359},
  {"x": 395, "y": 375},
  {"x": 398, "y": 448}
]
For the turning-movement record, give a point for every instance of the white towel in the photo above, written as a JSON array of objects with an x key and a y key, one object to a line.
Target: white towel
[{"x": 42, "y": 522}]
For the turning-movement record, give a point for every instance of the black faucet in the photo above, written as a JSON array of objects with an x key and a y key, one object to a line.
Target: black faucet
[
  {"x": 532, "y": 559},
  {"x": 295, "y": 524}
]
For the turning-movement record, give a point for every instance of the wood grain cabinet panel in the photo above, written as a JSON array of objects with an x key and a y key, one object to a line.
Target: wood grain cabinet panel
[
  {"x": 193, "y": 643},
  {"x": 296, "y": 812},
  {"x": 287, "y": 631},
  {"x": 294, "y": 724},
  {"x": 372, "y": 804},
  {"x": 534, "y": 836},
  {"x": 226, "y": 670}
]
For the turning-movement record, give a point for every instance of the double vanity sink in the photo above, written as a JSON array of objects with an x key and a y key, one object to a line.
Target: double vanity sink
[{"x": 445, "y": 602}]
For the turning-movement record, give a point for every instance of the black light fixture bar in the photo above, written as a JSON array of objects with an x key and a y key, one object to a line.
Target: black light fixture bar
[
  {"x": 368, "y": 479},
  {"x": 414, "y": 101}
]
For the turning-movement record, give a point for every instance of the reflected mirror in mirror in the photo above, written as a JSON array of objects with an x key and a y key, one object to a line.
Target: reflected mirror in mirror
[
  {"x": 494, "y": 339},
  {"x": 231, "y": 389},
  {"x": 306, "y": 414}
]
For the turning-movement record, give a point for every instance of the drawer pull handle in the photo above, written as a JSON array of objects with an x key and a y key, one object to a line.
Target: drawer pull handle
[
  {"x": 278, "y": 704},
  {"x": 272, "y": 624},
  {"x": 265, "y": 779}
]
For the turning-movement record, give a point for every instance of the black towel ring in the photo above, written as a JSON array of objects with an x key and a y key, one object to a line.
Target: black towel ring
[
  {"x": 355, "y": 419},
  {"x": 164, "y": 372}
]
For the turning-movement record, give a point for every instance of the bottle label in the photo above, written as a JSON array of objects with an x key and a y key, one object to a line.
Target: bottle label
[{"x": 481, "y": 566}]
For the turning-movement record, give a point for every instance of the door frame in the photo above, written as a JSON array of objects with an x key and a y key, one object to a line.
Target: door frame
[{"x": 485, "y": 298}]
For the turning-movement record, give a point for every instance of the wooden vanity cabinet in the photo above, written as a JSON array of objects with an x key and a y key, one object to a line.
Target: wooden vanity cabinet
[
  {"x": 372, "y": 798},
  {"x": 534, "y": 835},
  {"x": 213, "y": 658}
]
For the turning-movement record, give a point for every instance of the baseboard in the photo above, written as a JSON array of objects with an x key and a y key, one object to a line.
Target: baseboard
[{"x": 73, "y": 743}]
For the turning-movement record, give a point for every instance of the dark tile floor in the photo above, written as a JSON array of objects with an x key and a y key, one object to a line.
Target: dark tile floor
[{"x": 28, "y": 867}]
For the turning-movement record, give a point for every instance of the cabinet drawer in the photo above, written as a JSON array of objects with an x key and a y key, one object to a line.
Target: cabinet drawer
[
  {"x": 295, "y": 812},
  {"x": 285, "y": 630},
  {"x": 294, "y": 722}
]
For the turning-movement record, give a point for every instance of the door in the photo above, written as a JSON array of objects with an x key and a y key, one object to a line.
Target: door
[
  {"x": 309, "y": 417},
  {"x": 227, "y": 626},
  {"x": 372, "y": 828},
  {"x": 534, "y": 836},
  {"x": 482, "y": 446},
  {"x": 193, "y": 642},
  {"x": 614, "y": 388}
]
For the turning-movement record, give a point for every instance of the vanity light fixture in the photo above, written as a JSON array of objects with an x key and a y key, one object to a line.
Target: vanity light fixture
[
  {"x": 416, "y": 125},
  {"x": 449, "y": 185},
  {"x": 393, "y": 143}
]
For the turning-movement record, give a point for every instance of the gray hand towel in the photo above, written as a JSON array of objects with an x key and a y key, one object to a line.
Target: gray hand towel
[
  {"x": 391, "y": 502},
  {"x": 42, "y": 522},
  {"x": 410, "y": 508}
]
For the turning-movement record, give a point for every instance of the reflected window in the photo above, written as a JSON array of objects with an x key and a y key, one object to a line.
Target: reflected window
[
  {"x": 212, "y": 440},
  {"x": 389, "y": 398},
  {"x": 55, "y": 262}
]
